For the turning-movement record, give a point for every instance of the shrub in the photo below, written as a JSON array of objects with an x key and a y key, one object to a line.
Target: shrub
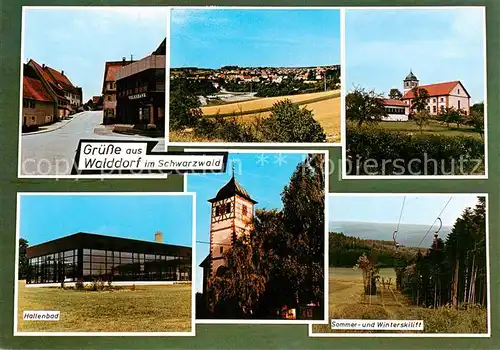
[
  {"x": 375, "y": 151},
  {"x": 227, "y": 129},
  {"x": 289, "y": 123},
  {"x": 97, "y": 285},
  {"x": 79, "y": 284}
]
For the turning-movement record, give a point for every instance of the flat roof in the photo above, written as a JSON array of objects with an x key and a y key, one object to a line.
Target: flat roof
[{"x": 86, "y": 240}]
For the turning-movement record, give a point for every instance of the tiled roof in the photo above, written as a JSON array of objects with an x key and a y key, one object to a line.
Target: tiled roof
[
  {"x": 60, "y": 79},
  {"x": 34, "y": 90},
  {"x": 392, "y": 102},
  {"x": 439, "y": 89},
  {"x": 111, "y": 67},
  {"x": 48, "y": 78}
]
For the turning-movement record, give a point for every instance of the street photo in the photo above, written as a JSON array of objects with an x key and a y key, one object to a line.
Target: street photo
[
  {"x": 260, "y": 239},
  {"x": 415, "y": 95},
  {"x": 95, "y": 271},
  {"x": 264, "y": 75},
  {"x": 96, "y": 73},
  {"x": 408, "y": 265}
]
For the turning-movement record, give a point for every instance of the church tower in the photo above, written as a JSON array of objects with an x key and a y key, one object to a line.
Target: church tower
[
  {"x": 410, "y": 82},
  {"x": 232, "y": 211}
]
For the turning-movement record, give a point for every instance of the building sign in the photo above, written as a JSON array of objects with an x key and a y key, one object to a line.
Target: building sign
[{"x": 137, "y": 96}]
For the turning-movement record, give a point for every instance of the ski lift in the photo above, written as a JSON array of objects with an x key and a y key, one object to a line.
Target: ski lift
[
  {"x": 436, "y": 234},
  {"x": 396, "y": 244}
]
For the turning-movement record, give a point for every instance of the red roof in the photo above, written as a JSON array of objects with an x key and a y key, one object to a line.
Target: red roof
[
  {"x": 392, "y": 102},
  {"x": 111, "y": 68},
  {"x": 61, "y": 79},
  {"x": 34, "y": 90},
  {"x": 54, "y": 77},
  {"x": 44, "y": 74},
  {"x": 439, "y": 89}
]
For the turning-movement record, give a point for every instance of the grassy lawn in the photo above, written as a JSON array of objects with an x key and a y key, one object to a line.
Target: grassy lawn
[
  {"x": 347, "y": 301},
  {"x": 433, "y": 127},
  {"x": 145, "y": 309}
]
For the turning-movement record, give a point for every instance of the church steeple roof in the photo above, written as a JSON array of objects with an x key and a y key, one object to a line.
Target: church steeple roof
[
  {"x": 230, "y": 189},
  {"x": 411, "y": 76}
]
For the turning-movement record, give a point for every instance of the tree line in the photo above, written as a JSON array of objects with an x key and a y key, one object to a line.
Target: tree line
[
  {"x": 452, "y": 271},
  {"x": 281, "y": 262},
  {"x": 344, "y": 251}
]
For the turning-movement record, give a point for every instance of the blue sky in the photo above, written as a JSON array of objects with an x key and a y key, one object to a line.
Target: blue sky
[
  {"x": 79, "y": 41},
  {"x": 386, "y": 209},
  {"x": 214, "y": 38},
  {"x": 438, "y": 45},
  {"x": 44, "y": 217},
  {"x": 263, "y": 176}
]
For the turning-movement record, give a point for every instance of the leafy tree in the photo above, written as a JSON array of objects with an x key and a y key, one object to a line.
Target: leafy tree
[
  {"x": 303, "y": 209},
  {"x": 185, "y": 108},
  {"x": 281, "y": 261},
  {"x": 311, "y": 75},
  {"x": 477, "y": 108},
  {"x": 364, "y": 106},
  {"x": 23, "y": 259},
  {"x": 476, "y": 118},
  {"x": 419, "y": 101},
  {"x": 421, "y": 118},
  {"x": 290, "y": 123},
  {"x": 456, "y": 116},
  {"x": 238, "y": 291},
  {"x": 395, "y": 94}
]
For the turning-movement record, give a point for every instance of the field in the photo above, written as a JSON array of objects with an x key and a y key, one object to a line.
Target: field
[
  {"x": 433, "y": 127},
  {"x": 347, "y": 301},
  {"x": 251, "y": 106},
  {"x": 324, "y": 105},
  {"x": 145, "y": 309}
]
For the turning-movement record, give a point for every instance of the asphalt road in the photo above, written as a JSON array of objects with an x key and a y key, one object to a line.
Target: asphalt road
[{"x": 53, "y": 152}]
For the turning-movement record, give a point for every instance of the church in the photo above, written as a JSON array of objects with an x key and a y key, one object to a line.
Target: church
[
  {"x": 232, "y": 211},
  {"x": 441, "y": 96}
]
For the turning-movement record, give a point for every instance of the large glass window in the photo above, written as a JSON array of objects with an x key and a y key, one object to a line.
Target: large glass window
[{"x": 115, "y": 265}]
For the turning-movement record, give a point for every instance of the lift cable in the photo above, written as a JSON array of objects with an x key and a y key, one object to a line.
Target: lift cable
[
  {"x": 399, "y": 222},
  {"x": 438, "y": 217}
]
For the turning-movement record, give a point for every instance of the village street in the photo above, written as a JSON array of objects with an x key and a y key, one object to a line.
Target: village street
[{"x": 53, "y": 152}]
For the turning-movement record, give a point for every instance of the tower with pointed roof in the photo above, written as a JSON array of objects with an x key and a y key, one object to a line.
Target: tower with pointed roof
[
  {"x": 232, "y": 211},
  {"x": 409, "y": 82}
]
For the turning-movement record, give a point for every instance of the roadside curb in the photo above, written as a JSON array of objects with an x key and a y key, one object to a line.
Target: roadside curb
[{"x": 54, "y": 129}]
